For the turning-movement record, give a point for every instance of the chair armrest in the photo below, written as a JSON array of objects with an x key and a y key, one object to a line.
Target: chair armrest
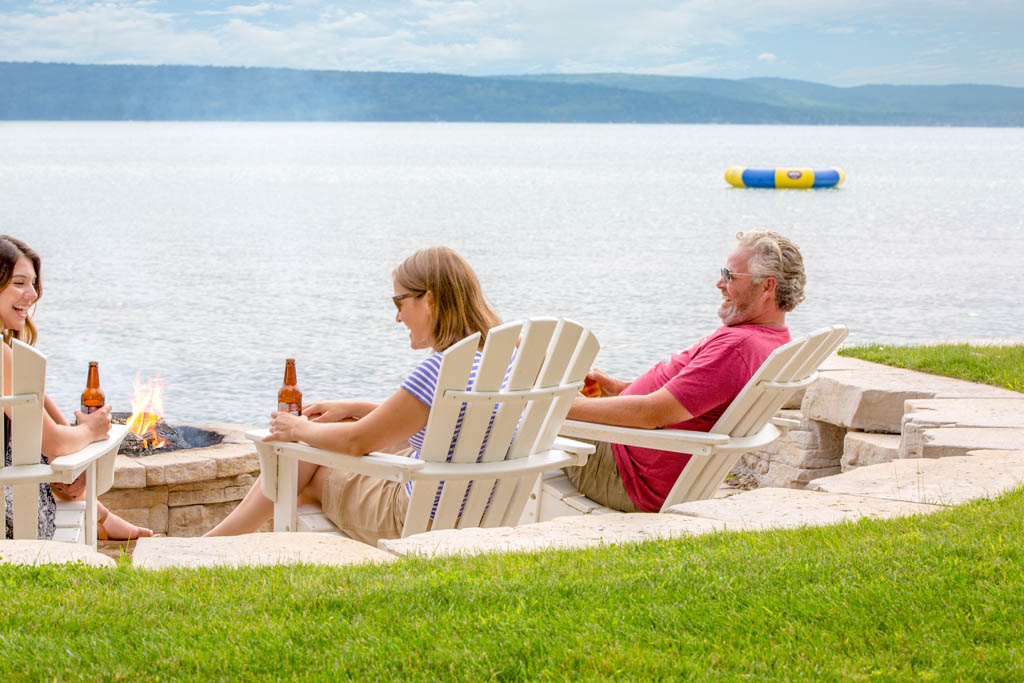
[
  {"x": 575, "y": 447},
  {"x": 673, "y": 440},
  {"x": 73, "y": 464},
  {"x": 384, "y": 465}
]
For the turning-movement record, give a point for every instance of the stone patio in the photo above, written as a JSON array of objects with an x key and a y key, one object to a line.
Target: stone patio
[{"x": 873, "y": 442}]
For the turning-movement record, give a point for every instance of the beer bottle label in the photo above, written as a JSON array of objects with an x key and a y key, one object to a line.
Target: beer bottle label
[
  {"x": 292, "y": 408},
  {"x": 89, "y": 409}
]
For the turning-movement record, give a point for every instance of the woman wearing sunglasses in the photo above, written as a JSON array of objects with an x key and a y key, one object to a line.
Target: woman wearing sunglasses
[{"x": 440, "y": 302}]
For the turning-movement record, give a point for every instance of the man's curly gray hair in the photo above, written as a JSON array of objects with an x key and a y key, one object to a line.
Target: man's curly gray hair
[{"x": 777, "y": 256}]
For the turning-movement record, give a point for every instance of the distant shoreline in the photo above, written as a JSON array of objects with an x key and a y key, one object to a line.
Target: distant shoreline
[{"x": 75, "y": 92}]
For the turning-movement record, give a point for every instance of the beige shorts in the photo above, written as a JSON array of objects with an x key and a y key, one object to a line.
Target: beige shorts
[
  {"x": 364, "y": 507},
  {"x": 599, "y": 479}
]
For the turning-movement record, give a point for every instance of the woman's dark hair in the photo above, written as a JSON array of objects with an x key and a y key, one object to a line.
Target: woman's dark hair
[{"x": 11, "y": 250}]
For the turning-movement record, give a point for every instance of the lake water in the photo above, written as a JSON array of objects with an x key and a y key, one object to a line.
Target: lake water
[{"x": 210, "y": 252}]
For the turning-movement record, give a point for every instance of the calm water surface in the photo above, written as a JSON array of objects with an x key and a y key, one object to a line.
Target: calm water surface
[{"x": 208, "y": 253}]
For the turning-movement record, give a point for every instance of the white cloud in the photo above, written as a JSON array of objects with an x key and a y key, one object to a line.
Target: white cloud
[
  {"x": 703, "y": 37},
  {"x": 250, "y": 10}
]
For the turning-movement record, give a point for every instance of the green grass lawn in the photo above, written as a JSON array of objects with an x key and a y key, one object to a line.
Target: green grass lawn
[
  {"x": 929, "y": 597},
  {"x": 1001, "y": 366}
]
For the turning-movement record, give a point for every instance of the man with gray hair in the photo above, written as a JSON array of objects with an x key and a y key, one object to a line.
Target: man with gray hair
[{"x": 762, "y": 280}]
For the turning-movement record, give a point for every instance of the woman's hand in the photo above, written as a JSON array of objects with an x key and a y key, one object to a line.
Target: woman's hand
[
  {"x": 336, "y": 411},
  {"x": 96, "y": 424},
  {"x": 284, "y": 426}
]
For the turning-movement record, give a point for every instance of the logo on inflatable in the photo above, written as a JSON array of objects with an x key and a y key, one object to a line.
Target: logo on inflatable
[{"x": 793, "y": 175}]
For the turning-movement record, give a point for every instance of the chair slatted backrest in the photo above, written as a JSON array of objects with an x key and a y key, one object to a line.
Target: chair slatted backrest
[
  {"x": 790, "y": 367},
  {"x": 25, "y": 405},
  {"x": 545, "y": 361}
]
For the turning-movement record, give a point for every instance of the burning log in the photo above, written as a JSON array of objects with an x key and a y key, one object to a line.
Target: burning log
[{"x": 161, "y": 437}]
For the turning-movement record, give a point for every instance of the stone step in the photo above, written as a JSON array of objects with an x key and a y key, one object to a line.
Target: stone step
[
  {"x": 959, "y": 441},
  {"x": 942, "y": 481},
  {"x": 36, "y": 553},
  {"x": 254, "y": 550},
  {"x": 926, "y": 421},
  {"x": 870, "y": 397},
  {"x": 775, "y": 508},
  {"x": 584, "y": 531},
  {"x": 866, "y": 448}
]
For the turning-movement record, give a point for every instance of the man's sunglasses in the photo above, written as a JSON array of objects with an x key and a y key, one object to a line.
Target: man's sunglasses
[
  {"x": 398, "y": 298},
  {"x": 728, "y": 275}
]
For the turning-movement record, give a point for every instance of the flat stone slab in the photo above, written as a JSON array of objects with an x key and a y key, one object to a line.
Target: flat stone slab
[
  {"x": 943, "y": 481},
  {"x": 835, "y": 362},
  {"x": 924, "y": 420},
  {"x": 1006, "y": 412},
  {"x": 254, "y": 550},
  {"x": 959, "y": 441},
  {"x": 871, "y": 398},
  {"x": 779, "y": 508},
  {"x": 36, "y": 553},
  {"x": 563, "y": 533}
]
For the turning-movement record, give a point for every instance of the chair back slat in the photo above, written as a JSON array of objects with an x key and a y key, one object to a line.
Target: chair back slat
[
  {"x": 581, "y": 362},
  {"x": 456, "y": 364},
  {"x": 28, "y": 376},
  {"x": 559, "y": 354}
]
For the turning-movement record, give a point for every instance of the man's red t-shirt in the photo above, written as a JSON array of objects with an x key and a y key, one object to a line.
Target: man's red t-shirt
[{"x": 704, "y": 378}]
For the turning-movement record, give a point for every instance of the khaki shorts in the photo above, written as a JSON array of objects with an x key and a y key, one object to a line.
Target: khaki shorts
[
  {"x": 364, "y": 507},
  {"x": 599, "y": 479}
]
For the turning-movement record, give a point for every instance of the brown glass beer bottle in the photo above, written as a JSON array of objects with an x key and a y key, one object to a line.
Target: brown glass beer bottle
[
  {"x": 289, "y": 398},
  {"x": 93, "y": 398}
]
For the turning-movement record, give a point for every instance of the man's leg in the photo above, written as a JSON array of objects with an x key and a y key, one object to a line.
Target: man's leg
[{"x": 599, "y": 479}]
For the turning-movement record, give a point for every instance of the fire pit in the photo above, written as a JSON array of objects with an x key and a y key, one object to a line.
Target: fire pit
[
  {"x": 164, "y": 438},
  {"x": 177, "y": 480},
  {"x": 185, "y": 492}
]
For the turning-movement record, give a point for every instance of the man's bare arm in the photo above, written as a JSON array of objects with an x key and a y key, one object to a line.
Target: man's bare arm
[{"x": 652, "y": 411}]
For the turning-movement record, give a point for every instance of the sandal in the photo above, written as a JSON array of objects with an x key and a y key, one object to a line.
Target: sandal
[{"x": 133, "y": 532}]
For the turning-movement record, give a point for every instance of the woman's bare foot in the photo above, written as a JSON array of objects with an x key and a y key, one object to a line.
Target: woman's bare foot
[{"x": 110, "y": 527}]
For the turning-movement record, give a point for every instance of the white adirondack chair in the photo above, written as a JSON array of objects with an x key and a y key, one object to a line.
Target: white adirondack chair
[
  {"x": 747, "y": 424},
  {"x": 549, "y": 359},
  {"x": 76, "y": 521}
]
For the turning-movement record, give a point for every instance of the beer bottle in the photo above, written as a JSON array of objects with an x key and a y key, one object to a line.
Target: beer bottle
[
  {"x": 591, "y": 389},
  {"x": 93, "y": 398},
  {"x": 289, "y": 398}
]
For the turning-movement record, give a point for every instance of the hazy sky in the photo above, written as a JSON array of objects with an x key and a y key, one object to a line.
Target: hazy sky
[{"x": 840, "y": 42}]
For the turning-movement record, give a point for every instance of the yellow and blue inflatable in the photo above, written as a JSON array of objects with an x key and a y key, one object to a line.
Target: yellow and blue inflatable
[{"x": 796, "y": 178}]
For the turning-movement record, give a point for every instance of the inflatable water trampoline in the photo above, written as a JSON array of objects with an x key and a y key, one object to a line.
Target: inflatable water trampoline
[{"x": 796, "y": 178}]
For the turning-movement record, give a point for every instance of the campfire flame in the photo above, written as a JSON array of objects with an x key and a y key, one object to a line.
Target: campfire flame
[{"x": 147, "y": 408}]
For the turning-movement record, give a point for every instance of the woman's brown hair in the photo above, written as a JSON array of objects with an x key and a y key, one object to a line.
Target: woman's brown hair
[
  {"x": 11, "y": 250},
  {"x": 459, "y": 307}
]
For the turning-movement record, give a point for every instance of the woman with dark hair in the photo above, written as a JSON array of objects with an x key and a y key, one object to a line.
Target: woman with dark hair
[
  {"x": 20, "y": 289},
  {"x": 439, "y": 300}
]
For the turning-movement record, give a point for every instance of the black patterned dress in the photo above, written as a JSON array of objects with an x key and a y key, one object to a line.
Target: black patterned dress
[{"x": 47, "y": 506}]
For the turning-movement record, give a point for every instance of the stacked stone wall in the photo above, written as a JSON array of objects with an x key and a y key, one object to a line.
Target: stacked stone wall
[
  {"x": 185, "y": 493},
  {"x": 858, "y": 414}
]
